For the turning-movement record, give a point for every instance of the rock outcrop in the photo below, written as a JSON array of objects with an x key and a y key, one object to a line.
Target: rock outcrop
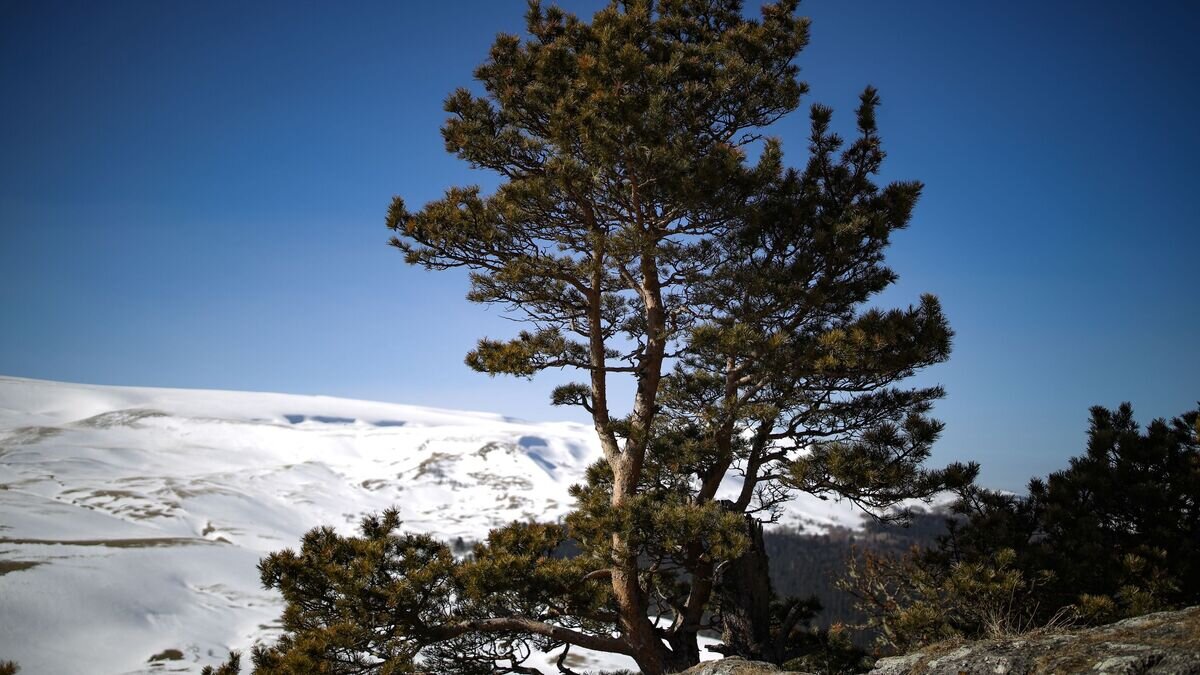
[{"x": 1166, "y": 643}]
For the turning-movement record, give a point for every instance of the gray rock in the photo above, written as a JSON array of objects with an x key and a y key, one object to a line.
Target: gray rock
[
  {"x": 1165, "y": 643},
  {"x": 897, "y": 665},
  {"x": 737, "y": 666}
]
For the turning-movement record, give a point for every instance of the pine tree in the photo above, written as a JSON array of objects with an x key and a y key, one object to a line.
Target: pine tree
[
  {"x": 1120, "y": 527},
  {"x": 637, "y": 238}
]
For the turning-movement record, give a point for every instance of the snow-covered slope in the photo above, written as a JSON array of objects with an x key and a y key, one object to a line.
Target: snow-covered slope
[{"x": 131, "y": 519}]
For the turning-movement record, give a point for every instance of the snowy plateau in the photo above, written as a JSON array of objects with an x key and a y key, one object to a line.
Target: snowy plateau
[{"x": 131, "y": 519}]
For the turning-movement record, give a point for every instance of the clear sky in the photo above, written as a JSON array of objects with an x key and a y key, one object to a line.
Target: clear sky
[{"x": 192, "y": 194}]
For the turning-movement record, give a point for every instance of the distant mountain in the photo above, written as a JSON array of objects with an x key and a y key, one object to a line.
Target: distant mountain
[{"x": 131, "y": 519}]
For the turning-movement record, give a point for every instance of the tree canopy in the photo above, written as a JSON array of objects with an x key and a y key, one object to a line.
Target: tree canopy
[{"x": 647, "y": 227}]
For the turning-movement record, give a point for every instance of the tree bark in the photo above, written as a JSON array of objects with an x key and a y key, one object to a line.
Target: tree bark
[{"x": 745, "y": 595}]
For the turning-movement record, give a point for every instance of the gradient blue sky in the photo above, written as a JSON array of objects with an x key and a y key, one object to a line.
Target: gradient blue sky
[{"x": 192, "y": 195}]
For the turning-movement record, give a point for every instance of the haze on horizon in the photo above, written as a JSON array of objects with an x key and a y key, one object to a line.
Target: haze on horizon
[{"x": 192, "y": 195}]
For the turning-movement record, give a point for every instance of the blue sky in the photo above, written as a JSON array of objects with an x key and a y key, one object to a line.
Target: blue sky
[{"x": 192, "y": 194}]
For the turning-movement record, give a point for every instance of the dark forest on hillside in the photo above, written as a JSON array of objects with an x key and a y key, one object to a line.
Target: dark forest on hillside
[{"x": 809, "y": 564}]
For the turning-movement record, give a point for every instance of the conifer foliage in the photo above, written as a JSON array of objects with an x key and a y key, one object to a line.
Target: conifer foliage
[
  {"x": 636, "y": 238},
  {"x": 1114, "y": 535}
]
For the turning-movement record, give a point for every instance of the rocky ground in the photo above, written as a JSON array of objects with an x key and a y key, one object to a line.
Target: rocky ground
[{"x": 1166, "y": 643}]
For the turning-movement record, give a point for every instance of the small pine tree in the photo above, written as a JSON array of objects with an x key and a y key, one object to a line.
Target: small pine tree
[
  {"x": 232, "y": 666},
  {"x": 1116, "y": 534},
  {"x": 1123, "y": 520}
]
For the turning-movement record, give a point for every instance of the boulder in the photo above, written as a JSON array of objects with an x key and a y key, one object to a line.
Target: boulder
[{"x": 734, "y": 665}]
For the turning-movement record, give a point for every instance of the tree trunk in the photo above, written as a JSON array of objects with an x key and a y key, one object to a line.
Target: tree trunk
[
  {"x": 638, "y": 632},
  {"x": 636, "y": 628},
  {"x": 744, "y": 594}
]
